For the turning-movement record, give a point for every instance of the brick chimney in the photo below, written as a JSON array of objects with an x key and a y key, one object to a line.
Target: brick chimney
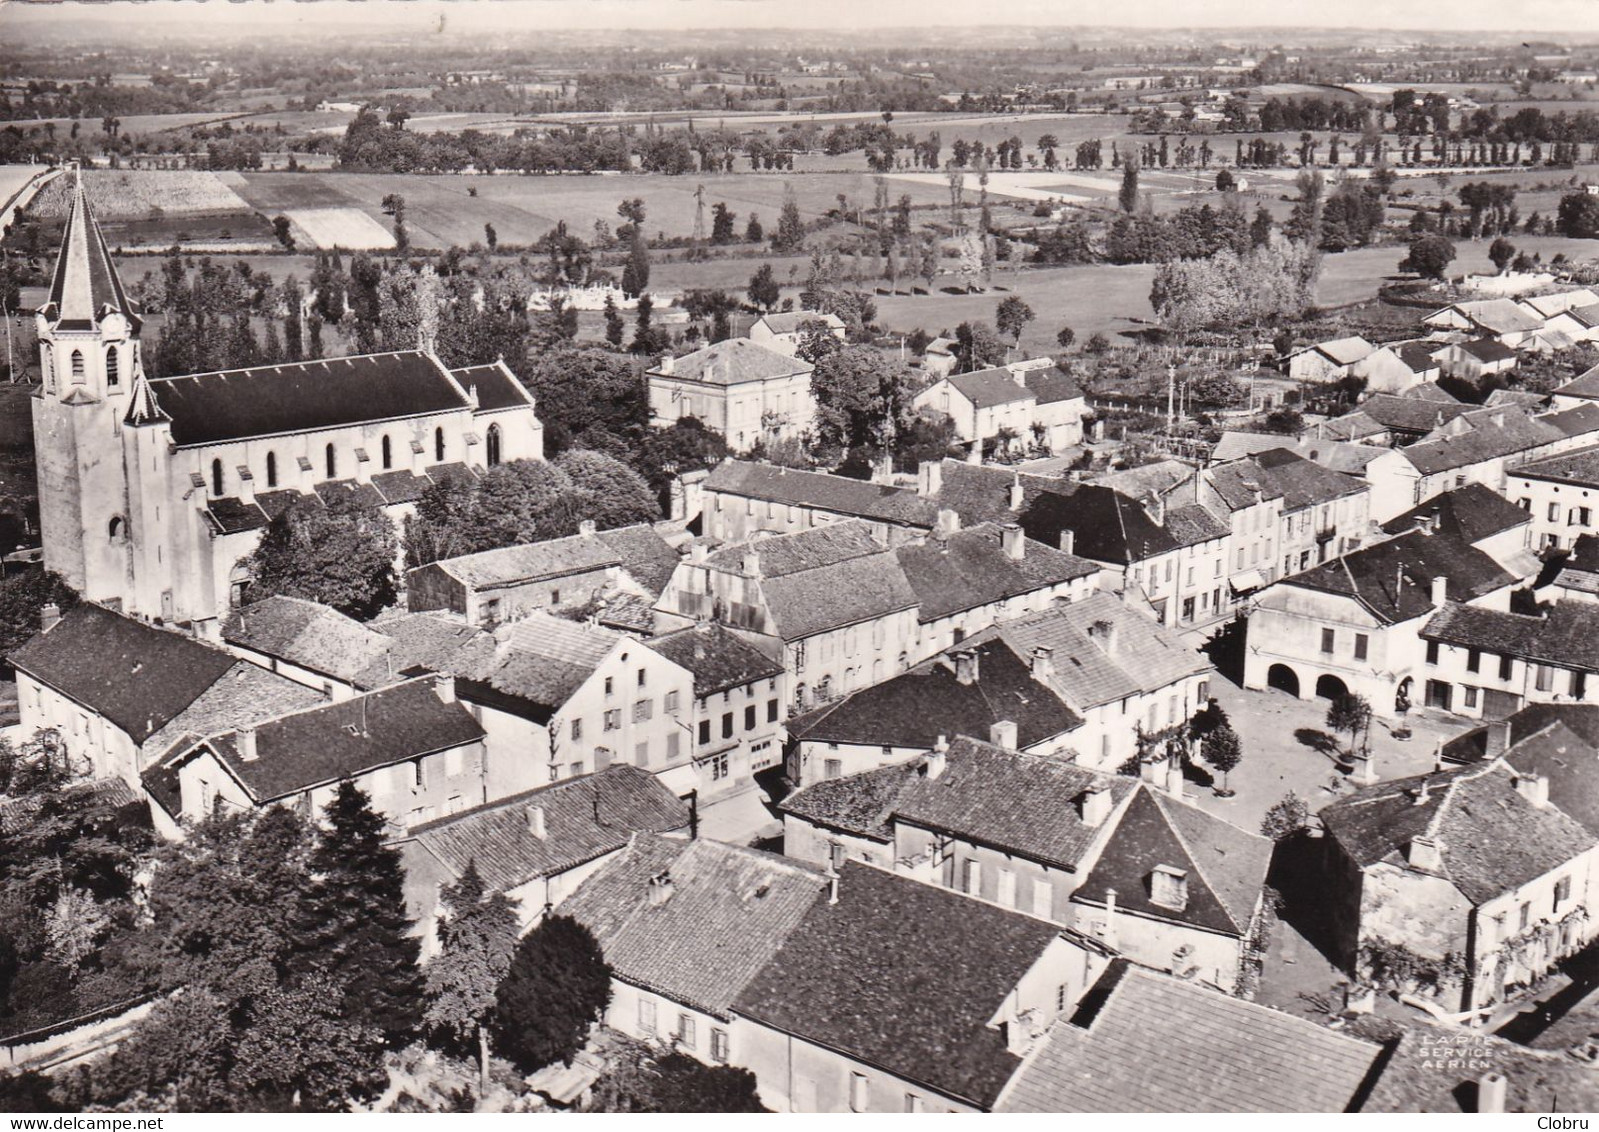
[
  {"x": 1068, "y": 540},
  {"x": 660, "y": 889},
  {"x": 1002, "y": 733},
  {"x": 1094, "y": 805},
  {"x": 1017, "y": 495},
  {"x": 444, "y": 685},
  {"x": 1491, "y": 1089},
  {"x": 49, "y": 616},
  {"x": 966, "y": 666},
  {"x": 1010, "y": 537},
  {"x": 949, "y": 521},
  {"x": 1103, "y": 634},
  {"x": 1108, "y": 936},
  {"x": 244, "y": 740},
  {"x": 751, "y": 564},
  {"x": 668, "y": 364},
  {"x": 536, "y": 822},
  {"x": 1043, "y": 663},
  {"x": 1534, "y": 788},
  {"x": 1440, "y": 591},
  {"x": 586, "y": 528},
  {"x": 930, "y": 477}
]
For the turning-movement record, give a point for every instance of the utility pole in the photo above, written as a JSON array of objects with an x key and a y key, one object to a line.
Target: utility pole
[{"x": 1171, "y": 397}]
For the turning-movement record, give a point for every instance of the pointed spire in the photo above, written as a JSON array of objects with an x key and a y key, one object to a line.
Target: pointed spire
[
  {"x": 143, "y": 408},
  {"x": 85, "y": 286}
]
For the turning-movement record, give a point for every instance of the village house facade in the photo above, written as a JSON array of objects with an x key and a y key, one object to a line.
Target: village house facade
[
  {"x": 740, "y": 499},
  {"x": 743, "y": 390},
  {"x": 1561, "y": 495},
  {"x": 1025, "y": 402},
  {"x": 1489, "y": 663}
]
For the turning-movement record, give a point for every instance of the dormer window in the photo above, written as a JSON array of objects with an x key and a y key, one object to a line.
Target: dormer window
[{"x": 1168, "y": 887}]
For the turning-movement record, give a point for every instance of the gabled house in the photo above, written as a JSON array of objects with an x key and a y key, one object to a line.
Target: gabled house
[
  {"x": 741, "y": 389},
  {"x": 1216, "y": 1054},
  {"x": 1503, "y": 320},
  {"x": 1477, "y": 515},
  {"x": 1580, "y": 390},
  {"x": 537, "y": 847},
  {"x": 1393, "y": 420},
  {"x": 1578, "y": 576},
  {"x": 1479, "y": 357},
  {"x": 1560, "y": 495},
  {"x": 1472, "y": 873},
  {"x": 1336, "y": 455},
  {"x": 1490, "y": 662},
  {"x": 494, "y": 586},
  {"x": 1330, "y": 360},
  {"x": 783, "y": 330},
  {"x": 898, "y": 996},
  {"x": 741, "y": 498},
  {"x": 120, "y": 693},
  {"x": 685, "y": 926},
  {"x": 1024, "y": 401},
  {"x": 1353, "y": 625}
]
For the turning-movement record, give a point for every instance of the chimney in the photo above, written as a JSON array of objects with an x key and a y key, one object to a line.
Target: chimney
[
  {"x": 1002, "y": 733},
  {"x": 949, "y": 521},
  {"x": 1491, "y": 1088},
  {"x": 883, "y": 469},
  {"x": 966, "y": 666},
  {"x": 667, "y": 363},
  {"x": 698, "y": 552},
  {"x": 1018, "y": 374},
  {"x": 1534, "y": 788},
  {"x": 660, "y": 889},
  {"x": 1168, "y": 887},
  {"x": 752, "y": 564},
  {"x": 1043, "y": 663},
  {"x": 937, "y": 759},
  {"x": 444, "y": 685},
  {"x": 586, "y": 528},
  {"x": 1498, "y": 738},
  {"x": 1155, "y": 508},
  {"x": 832, "y": 887},
  {"x": 1174, "y": 778},
  {"x": 1103, "y": 634},
  {"x": 930, "y": 477},
  {"x": 1068, "y": 541},
  {"x": 1010, "y": 537},
  {"x": 536, "y": 822},
  {"x": 1094, "y": 805},
  {"x": 974, "y": 454},
  {"x": 49, "y": 616},
  {"x": 1109, "y": 935},
  {"x": 1017, "y": 495},
  {"x": 1424, "y": 854},
  {"x": 1440, "y": 591},
  {"x": 244, "y": 740}
]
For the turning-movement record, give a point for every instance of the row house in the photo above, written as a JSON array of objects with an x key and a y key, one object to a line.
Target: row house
[
  {"x": 1489, "y": 663},
  {"x": 1393, "y": 421},
  {"x": 740, "y": 499},
  {"x": 1561, "y": 495},
  {"x": 745, "y": 391},
  {"x": 1577, "y": 577},
  {"x": 1124, "y": 861},
  {"x": 1353, "y": 625},
  {"x": 1480, "y": 517},
  {"x": 1472, "y": 869},
  {"x": 1504, "y": 321},
  {"x": 1025, "y": 401}
]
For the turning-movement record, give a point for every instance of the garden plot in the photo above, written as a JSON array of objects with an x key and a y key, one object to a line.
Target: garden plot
[
  {"x": 133, "y": 193},
  {"x": 340, "y": 228}
]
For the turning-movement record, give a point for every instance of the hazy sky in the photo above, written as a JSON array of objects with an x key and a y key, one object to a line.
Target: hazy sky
[{"x": 1532, "y": 16}]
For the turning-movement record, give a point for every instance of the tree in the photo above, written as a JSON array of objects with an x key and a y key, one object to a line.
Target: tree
[
  {"x": 518, "y": 501},
  {"x": 862, "y": 399},
  {"x": 302, "y": 1048},
  {"x": 1349, "y": 714},
  {"x": 1578, "y": 216},
  {"x": 722, "y": 221},
  {"x": 1064, "y": 337},
  {"x": 684, "y": 445},
  {"x": 615, "y": 327},
  {"x": 1430, "y": 256},
  {"x": 1097, "y": 343},
  {"x": 753, "y": 232},
  {"x": 790, "y": 234},
  {"x": 1501, "y": 252},
  {"x": 636, "y": 272},
  {"x": 1304, "y": 221},
  {"x": 341, "y": 554},
  {"x": 1225, "y": 181},
  {"x": 282, "y": 229},
  {"x": 606, "y": 490},
  {"x": 490, "y": 236},
  {"x": 1127, "y": 196},
  {"x": 477, "y": 936},
  {"x": 353, "y": 924},
  {"x": 1224, "y": 751},
  {"x": 977, "y": 347},
  {"x": 764, "y": 290},
  {"x": 641, "y": 1080},
  {"x": 23, "y": 595},
  {"x": 1012, "y": 317},
  {"x": 1287, "y": 816},
  {"x": 557, "y": 988}
]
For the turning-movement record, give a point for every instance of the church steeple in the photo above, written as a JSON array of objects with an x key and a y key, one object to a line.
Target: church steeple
[{"x": 85, "y": 288}]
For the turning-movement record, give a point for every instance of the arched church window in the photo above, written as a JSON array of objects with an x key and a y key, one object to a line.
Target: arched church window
[
  {"x": 112, "y": 377},
  {"x": 438, "y": 445},
  {"x": 493, "y": 445},
  {"x": 272, "y": 469},
  {"x": 116, "y": 527},
  {"x": 77, "y": 367},
  {"x": 388, "y": 454},
  {"x": 216, "y": 477},
  {"x": 333, "y": 464}
]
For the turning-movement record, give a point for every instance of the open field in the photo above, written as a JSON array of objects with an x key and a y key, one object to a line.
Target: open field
[
  {"x": 340, "y": 228},
  {"x": 119, "y": 194}
]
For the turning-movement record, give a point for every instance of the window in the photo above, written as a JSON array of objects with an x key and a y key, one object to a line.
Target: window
[
  {"x": 115, "y": 527},
  {"x": 727, "y": 725},
  {"x": 489, "y": 612},
  {"x": 1007, "y": 888},
  {"x": 833, "y": 768},
  {"x": 609, "y": 685},
  {"x": 719, "y": 1046},
  {"x": 913, "y": 1103},
  {"x": 685, "y": 1030},
  {"x": 1554, "y": 512},
  {"x": 836, "y": 855},
  {"x": 333, "y": 463},
  {"x": 388, "y": 453},
  {"x": 1328, "y": 639},
  {"x": 492, "y": 446},
  {"x": 672, "y": 746},
  {"x": 859, "y": 1092},
  {"x": 749, "y": 718},
  {"x": 669, "y": 701},
  {"x": 1580, "y": 516},
  {"x": 216, "y": 478},
  {"x": 1579, "y": 685},
  {"x": 1505, "y": 664},
  {"x": 771, "y": 711},
  {"x": 1525, "y": 917},
  {"x": 613, "y": 719},
  {"x": 555, "y": 596},
  {"x": 1471, "y": 695},
  {"x": 643, "y": 710},
  {"x": 1043, "y": 899},
  {"x": 577, "y": 730},
  {"x": 112, "y": 377},
  {"x": 1432, "y": 652},
  {"x": 77, "y": 367},
  {"x": 1562, "y": 891},
  {"x": 641, "y": 753},
  {"x": 973, "y": 879},
  {"x": 641, "y": 677},
  {"x": 418, "y": 775},
  {"x": 1545, "y": 678},
  {"x": 272, "y": 469},
  {"x": 705, "y": 731},
  {"x": 1362, "y": 641},
  {"x": 646, "y": 1015},
  {"x": 1473, "y": 660},
  {"x": 438, "y": 445},
  {"x": 718, "y": 765}
]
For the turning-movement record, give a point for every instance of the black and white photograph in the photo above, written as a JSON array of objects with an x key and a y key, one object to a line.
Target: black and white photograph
[{"x": 721, "y": 556}]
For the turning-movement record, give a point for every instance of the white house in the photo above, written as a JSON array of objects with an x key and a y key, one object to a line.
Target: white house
[{"x": 743, "y": 390}]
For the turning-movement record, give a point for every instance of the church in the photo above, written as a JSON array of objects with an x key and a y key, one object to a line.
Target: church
[{"x": 154, "y": 492}]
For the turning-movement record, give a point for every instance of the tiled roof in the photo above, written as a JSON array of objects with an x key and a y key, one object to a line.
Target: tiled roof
[
  {"x": 1490, "y": 838},
  {"x": 968, "y": 569},
  {"x": 1160, "y": 1044},
  {"x": 717, "y": 657},
  {"x": 787, "y": 322},
  {"x": 541, "y": 660},
  {"x": 426, "y": 642},
  {"x": 528, "y": 562},
  {"x": 1226, "y": 867},
  {"x": 1568, "y": 635},
  {"x": 914, "y": 708},
  {"x": 1496, "y": 316},
  {"x": 804, "y": 550},
  {"x": 732, "y": 362},
  {"x": 1281, "y": 473},
  {"x": 247, "y": 693},
  {"x": 231, "y": 515},
  {"x": 1523, "y": 398},
  {"x": 1471, "y": 513},
  {"x": 986, "y": 388},
  {"x": 85, "y": 286},
  {"x": 1052, "y": 385},
  {"x": 211, "y": 408},
  {"x": 1410, "y": 414},
  {"x": 1147, "y": 481},
  {"x": 1585, "y": 384},
  {"x": 859, "y": 804},
  {"x": 1580, "y": 467},
  {"x": 495, "y": 384},
  {"x": 308, "y": 634},
  {"x": 1393, "y": 579},
  {"x": 97, "y": 793},
  {"x": 1342, "y": 351},
  {"x": 1091, "y": 666},
  {"x": 839, "y": 494},
  {"x": 1488, "y": 350},
  {"x": 338, "y": 741},
  {"x": 1019, "y": 803},
  {"x": 1421, "y": 357},
  {"x": 1578, "y": 421},
  {"x": 400, "y": 487},
  {"x": 1338, "y": 455},
  {"x": 137, "y": 676},
  {"x": 1483, "y": 434},
  {"x": 858, "y": 589},
  {"x": 728, "y": 912},
  {"x": 584, "y": 819},
  {"x": 903, "y": 975}
]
